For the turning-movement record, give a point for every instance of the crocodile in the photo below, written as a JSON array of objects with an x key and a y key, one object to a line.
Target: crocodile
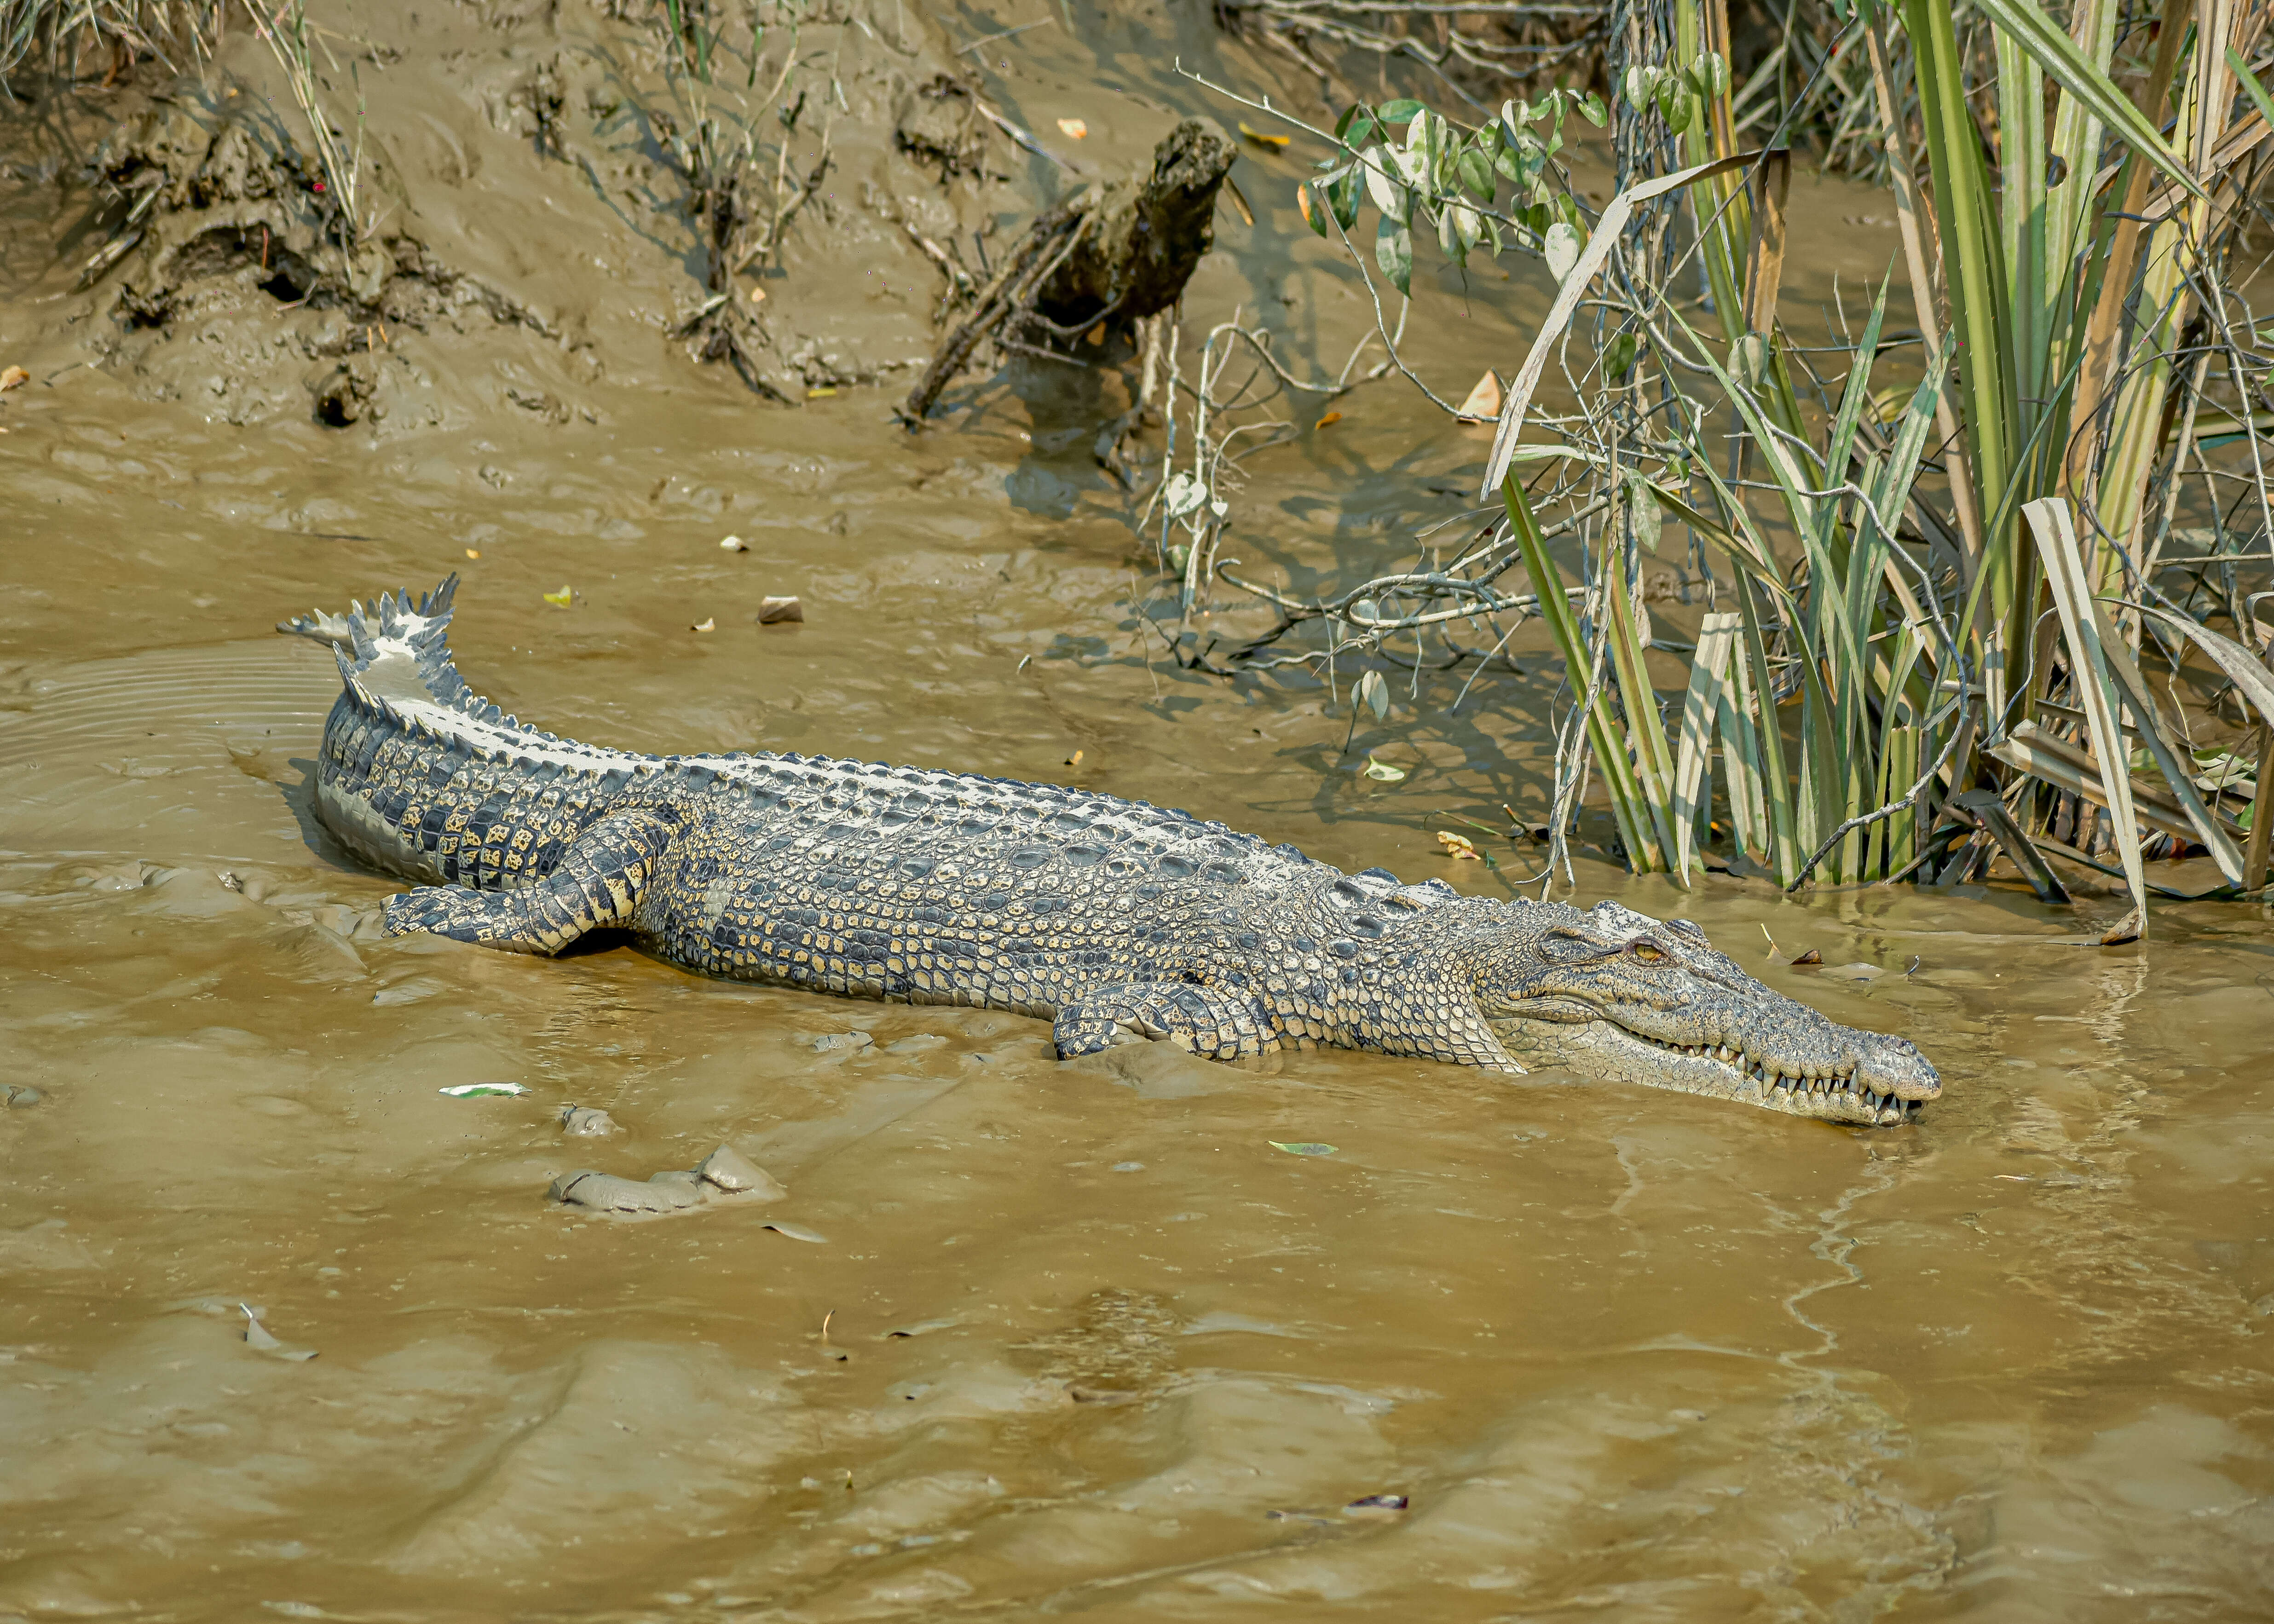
[{"x": 1115, "y": 921}]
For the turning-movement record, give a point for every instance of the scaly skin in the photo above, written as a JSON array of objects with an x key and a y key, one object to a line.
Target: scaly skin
[{"x": 1114, "y": 920}]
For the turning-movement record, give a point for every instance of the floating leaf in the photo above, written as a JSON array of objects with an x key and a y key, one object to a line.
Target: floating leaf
[
  {"x": 1273, "y": 141},
  {"x": 796, "y": 1231},
  {"x": 13, "y": 378},
  {"x": 734, "y": 544},
  {"x": 1306, "y": 1148},
  {"x": 1457, "y": 845},
  {"x": 1383, "y": 772},
  {"x": 705, "y": 626},
  {"x": 473, "y": 553},
  {"x": 1811, "y": 957},
  {"x": 564, "y": 597},
  {"x": 1332, "y": 416},
  {"x": 482, "y": 1091},
  {"x": 1074, "y": 128},
  {"x": 1373, "y": 694},
  {"x": 822, "y": 393},
  {"x": 774, "y": 611}
]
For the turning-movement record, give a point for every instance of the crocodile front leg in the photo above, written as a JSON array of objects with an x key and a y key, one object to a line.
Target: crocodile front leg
[
  {"x": 1209, "y": 1021},
  {"x": 596, "y": 885}
]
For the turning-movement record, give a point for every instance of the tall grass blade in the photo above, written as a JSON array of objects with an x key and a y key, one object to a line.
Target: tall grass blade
[{"x": 2049, "y": 518}]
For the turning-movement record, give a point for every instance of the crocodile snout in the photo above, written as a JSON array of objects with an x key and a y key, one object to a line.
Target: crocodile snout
[{"x": 1893, "y": 1065}]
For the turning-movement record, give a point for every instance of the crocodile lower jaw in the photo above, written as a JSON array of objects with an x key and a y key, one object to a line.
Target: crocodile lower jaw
[{"x": 1605, "y": 1048}]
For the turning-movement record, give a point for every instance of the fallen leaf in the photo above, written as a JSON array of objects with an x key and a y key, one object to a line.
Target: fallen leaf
[
  {"x": 1082, "y": 1394},
  {"x": 773, "y": 610},
  {"x": 1332, "y": 416},
  {"x": 734, "y": 544},
  {"x": 1383, "y": 772},
  {"x": 1073, "y": 127},
  {"x": 1811, "y": 957},
  {"x": 796, "y": 1231},
  {"x": 757, "y": 296},
  {"x": 1855, "y": 972},
  {"x": 479, "y": 1090},
  {"x": 1257, "y": 136},
  {"x": 1483, "y": 404},
  {"x": 13, "y": 378},
  {"x": 822, "y": 393},
  {"x": 1096, "y": 334},
  {"x": 703, "y": 626},
  {"x": 1304, "y": 1149},
  {"x": 473, "y": 553},
  {"x": 1457, "y": 845},
  {"x": 1074, "y": 760},
  {"x": 257, "y": 1337},
  {"x": 1375, "y": 1505},
  {"x": 922, "y": 1326},
  {"x": 564, "y": 597}
]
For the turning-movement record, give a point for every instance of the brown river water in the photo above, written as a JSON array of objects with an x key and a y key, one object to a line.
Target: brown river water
[{"x": 1035, "y": 1338}]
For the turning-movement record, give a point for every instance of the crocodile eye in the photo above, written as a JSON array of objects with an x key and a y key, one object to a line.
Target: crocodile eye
[{"x": 1647, "y": 950}]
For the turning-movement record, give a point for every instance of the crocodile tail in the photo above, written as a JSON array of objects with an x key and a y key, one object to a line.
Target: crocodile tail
[{"x": 394, "y": 643}]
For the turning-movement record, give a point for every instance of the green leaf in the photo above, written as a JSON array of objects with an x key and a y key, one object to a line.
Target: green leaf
[
  {"x": 1400, "y": 111},
  {"x": 1373, "y": 694},
  {"x": 1477, "y": 174},
  {"x": 1620, "y": 356},
  {"x": 2251, "y": 87},
  {"x": 1382, "y": 184},
  {"x": 1393, "y": 251},
  {"x": 1592, "y": 107},
  {"x": 2049, "y": 44},
  {"x": 1343, "y": 196}
]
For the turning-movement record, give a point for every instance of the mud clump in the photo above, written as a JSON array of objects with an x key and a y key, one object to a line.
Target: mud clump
[
  {"x": 937, "y": 125},
  {"x": 723, "y": 1176}
]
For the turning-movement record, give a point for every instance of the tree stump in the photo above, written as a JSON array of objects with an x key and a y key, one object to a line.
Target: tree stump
[{"x": 1117, "y": 253}]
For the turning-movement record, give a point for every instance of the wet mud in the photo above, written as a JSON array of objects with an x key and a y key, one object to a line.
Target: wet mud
[{"x": 1017, "y": 1337}]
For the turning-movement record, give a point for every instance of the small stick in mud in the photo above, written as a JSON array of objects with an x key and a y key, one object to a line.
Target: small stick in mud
[{"x": 1124, "y": 251}]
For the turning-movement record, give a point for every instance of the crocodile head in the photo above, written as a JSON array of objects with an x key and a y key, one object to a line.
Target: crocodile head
[{"x": 1619, "y": 995}]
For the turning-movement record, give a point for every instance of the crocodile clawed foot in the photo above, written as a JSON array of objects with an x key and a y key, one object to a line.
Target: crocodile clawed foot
[{"x": 439, "y": 910}]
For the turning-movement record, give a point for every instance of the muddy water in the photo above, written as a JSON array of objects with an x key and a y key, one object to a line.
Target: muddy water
[{"x": 1074, "y": 1339}]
